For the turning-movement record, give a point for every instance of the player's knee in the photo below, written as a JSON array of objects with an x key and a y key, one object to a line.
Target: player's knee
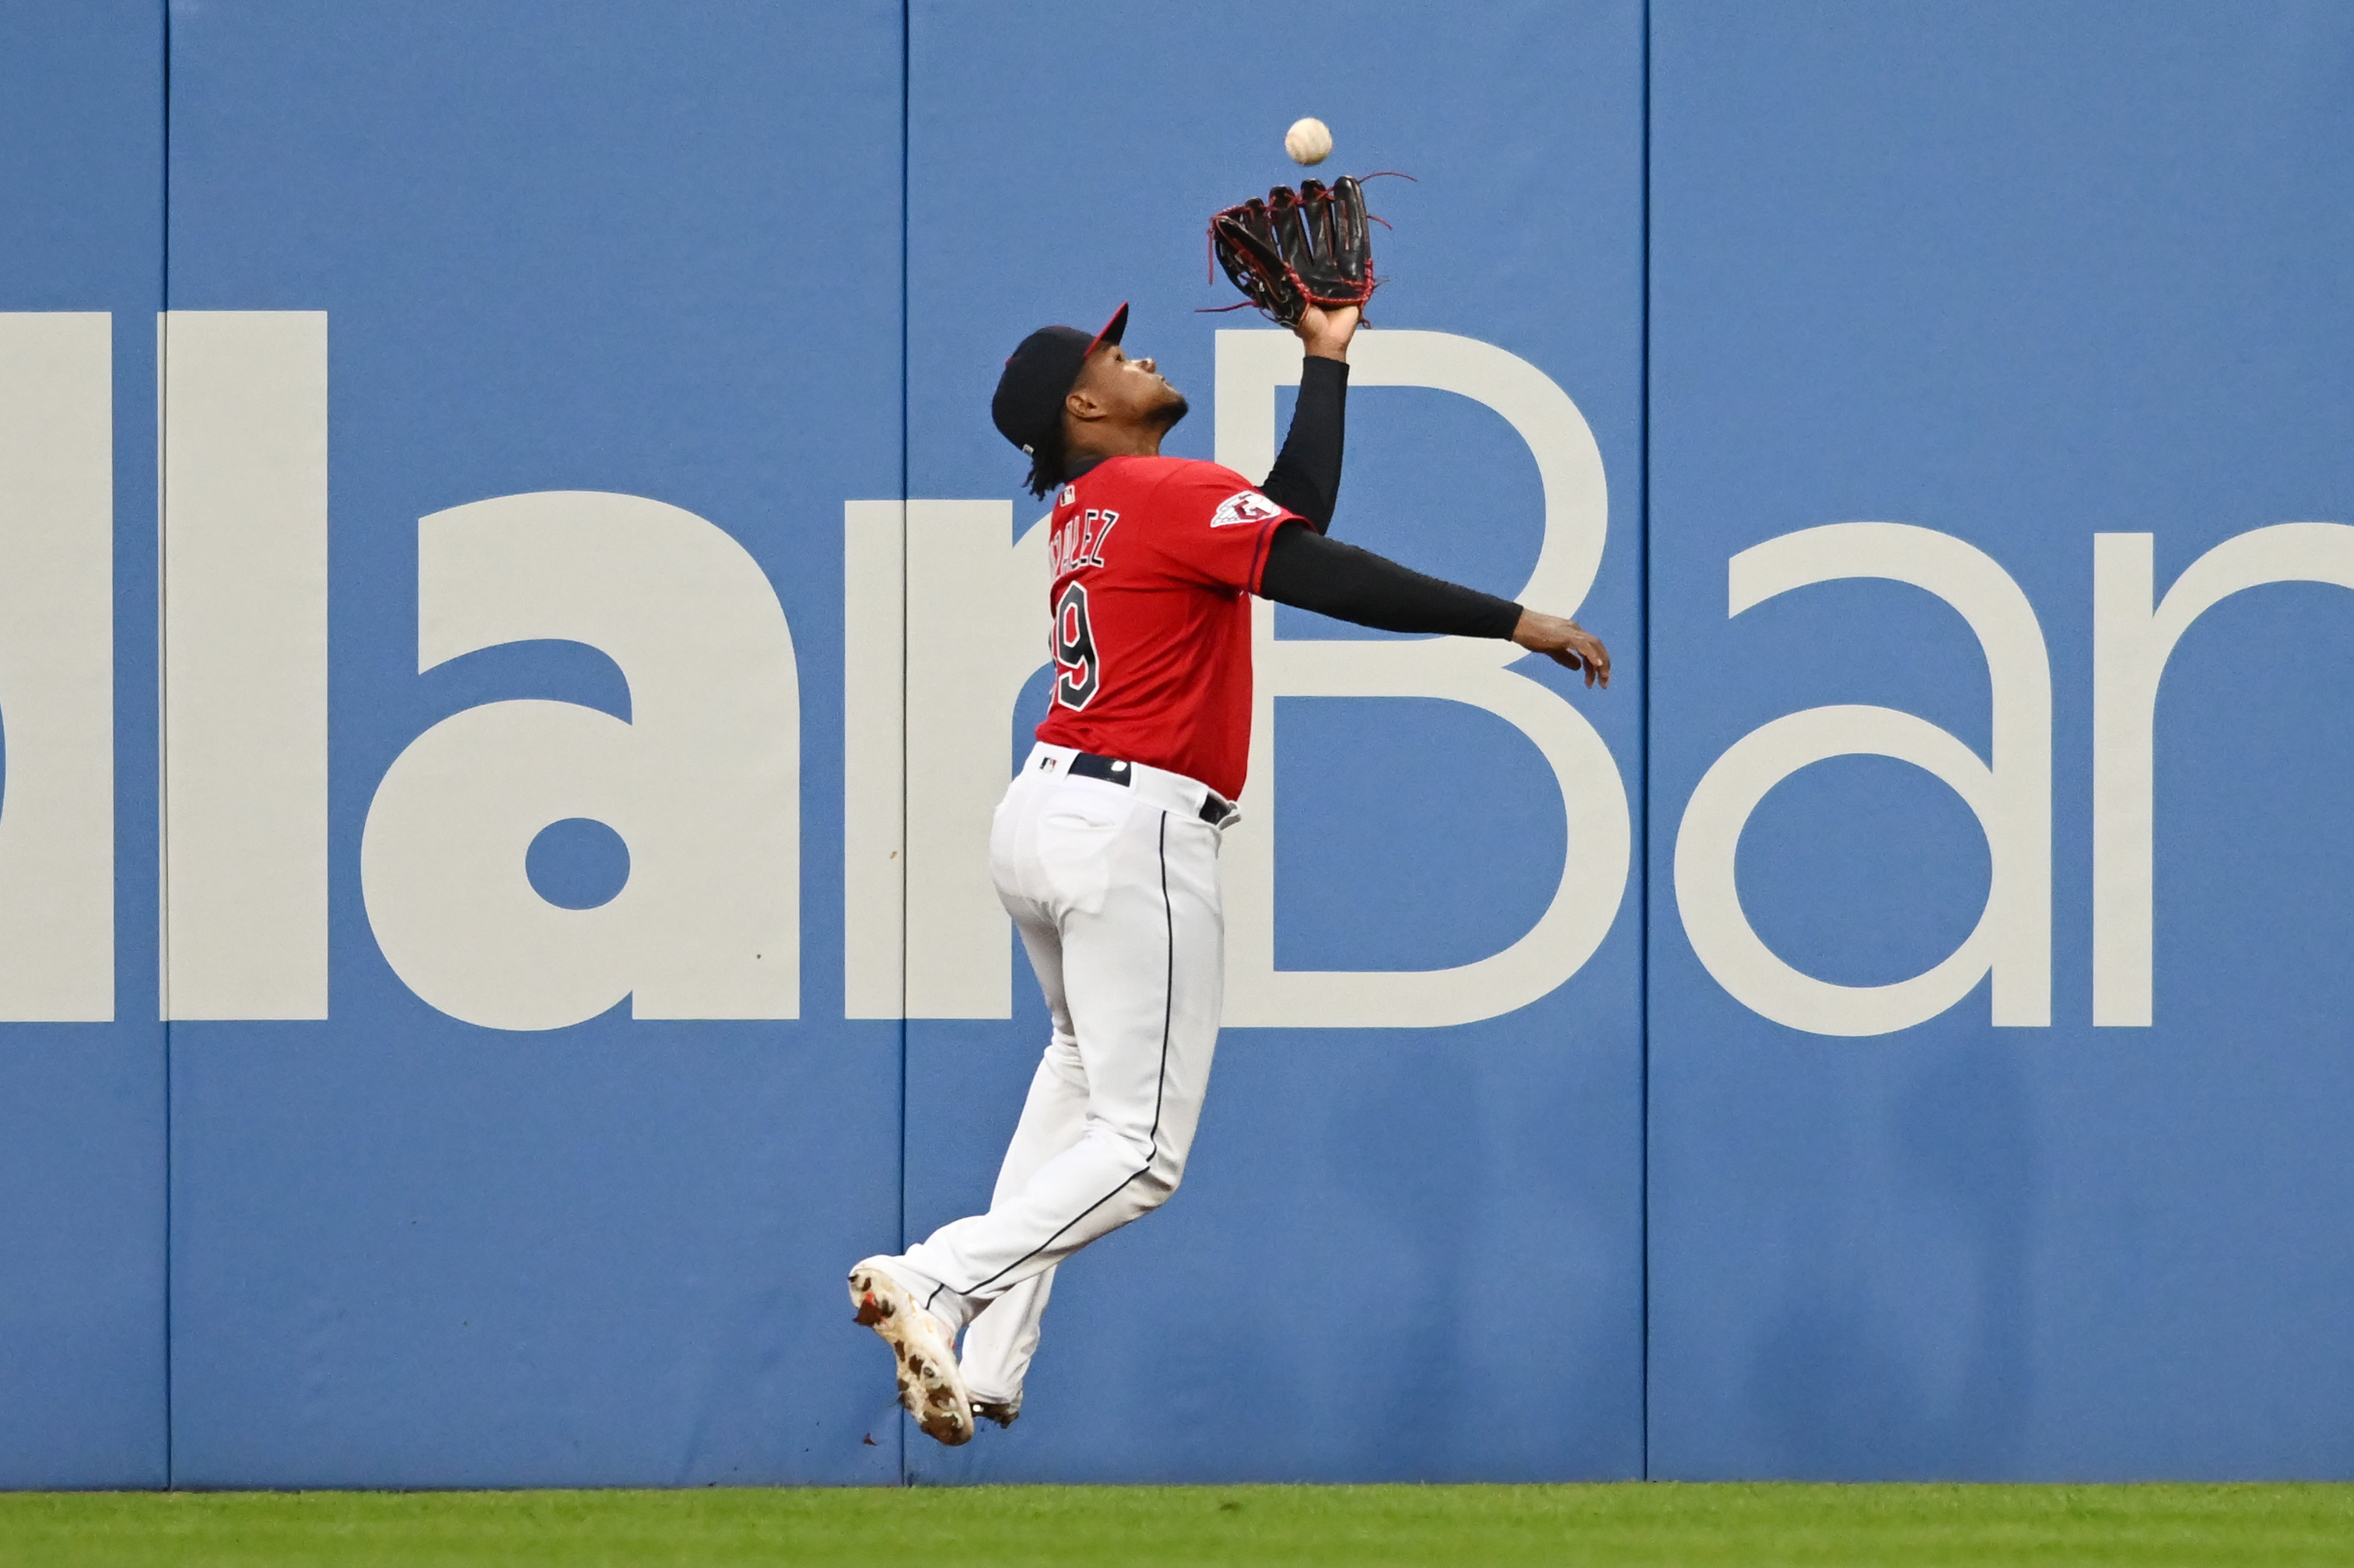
[
  {"x": 1160, "y": 1178},
  {"x": 1158, "y": 1167}
]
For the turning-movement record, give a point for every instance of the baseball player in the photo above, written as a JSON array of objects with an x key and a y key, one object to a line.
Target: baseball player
[{"x": 1105, "y": 849}]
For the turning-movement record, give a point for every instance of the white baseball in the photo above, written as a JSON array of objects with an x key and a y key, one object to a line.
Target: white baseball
[{"x": 1308, "y": 141}]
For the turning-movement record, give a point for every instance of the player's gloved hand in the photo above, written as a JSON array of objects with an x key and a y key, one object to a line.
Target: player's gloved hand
[
  {"x": 1297, "y": 248},
  {"x": 1325, "y": 334},
  {"x": 1564, "y": 642}
]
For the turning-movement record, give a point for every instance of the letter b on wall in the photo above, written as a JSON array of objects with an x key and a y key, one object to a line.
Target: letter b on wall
[
  {"x": 1598, "y": 828},
  {"x": 703, "y": 780}
]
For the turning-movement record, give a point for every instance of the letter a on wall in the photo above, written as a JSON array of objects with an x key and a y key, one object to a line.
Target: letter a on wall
[
  {"x": 702, "y": 781},
  {"x": 2010, "y": 793}
]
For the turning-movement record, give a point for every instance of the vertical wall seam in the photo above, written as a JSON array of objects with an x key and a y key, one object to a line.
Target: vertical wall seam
[
  {"x": 163, "y": 737},
  {"x": 1643, "y": 854},
  {"x": 906, "y": 95}
]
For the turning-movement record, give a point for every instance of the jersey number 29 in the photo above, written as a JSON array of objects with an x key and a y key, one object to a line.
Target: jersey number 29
[{"x": 1077, "y": 674}]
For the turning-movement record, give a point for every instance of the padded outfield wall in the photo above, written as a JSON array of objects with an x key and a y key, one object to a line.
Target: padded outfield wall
[{"x": 512, "y": 618}]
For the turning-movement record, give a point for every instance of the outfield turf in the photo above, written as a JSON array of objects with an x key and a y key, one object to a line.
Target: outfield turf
[{"x": 1656, "y": 1523}]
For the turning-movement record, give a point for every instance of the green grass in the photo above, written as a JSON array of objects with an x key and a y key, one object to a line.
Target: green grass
[{"x": 1666, "y": 1524}]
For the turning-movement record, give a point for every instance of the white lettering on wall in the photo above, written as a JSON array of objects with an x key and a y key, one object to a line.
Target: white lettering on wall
[
  {"x": 873, "y": 758},
  {"x": 974, "y": 628},
  {"x": 2131, "y": 643},
  {"x": 56, "y": 667},
  {"x": 245, "y": 663},
  {"x": 703, "y": 782},
  {"x": 2010, "y": 793},
  {"x": 944, "y": 622}
]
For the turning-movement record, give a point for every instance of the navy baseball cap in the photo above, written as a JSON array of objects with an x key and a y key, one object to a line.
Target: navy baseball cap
[{"x": 1040, "y": 374}]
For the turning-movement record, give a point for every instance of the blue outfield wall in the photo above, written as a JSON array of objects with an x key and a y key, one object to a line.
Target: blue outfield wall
[
  {"x": 82, "y": 1114},
  {"x": 519, "y": 928},
  {"x": 2053, "y": 284}
]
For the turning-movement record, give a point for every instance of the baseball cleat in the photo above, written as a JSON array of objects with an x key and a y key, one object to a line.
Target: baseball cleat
[
  {"x": 929, "y": 1384},
  {"x": 1002, "y": 1411}
]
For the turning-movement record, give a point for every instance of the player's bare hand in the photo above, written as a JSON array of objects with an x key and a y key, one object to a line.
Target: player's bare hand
[
  {"x": 1326, "y": 334},
  {"x": 1564, "y": 642}
]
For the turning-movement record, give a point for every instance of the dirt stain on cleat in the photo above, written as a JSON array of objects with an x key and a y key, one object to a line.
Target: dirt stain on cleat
[{"x": 928, "y": 1388}]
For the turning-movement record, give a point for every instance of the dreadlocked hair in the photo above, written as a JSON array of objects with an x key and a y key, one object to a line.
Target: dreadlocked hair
[{"x": 1046, "y": 467}]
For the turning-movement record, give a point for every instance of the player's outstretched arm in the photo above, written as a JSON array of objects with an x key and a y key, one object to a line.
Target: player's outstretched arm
[{"x": 1308, "y": 571}]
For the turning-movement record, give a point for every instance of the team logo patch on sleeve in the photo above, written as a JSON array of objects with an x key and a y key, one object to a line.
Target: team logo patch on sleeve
[{"x": 1244, "y": 506}]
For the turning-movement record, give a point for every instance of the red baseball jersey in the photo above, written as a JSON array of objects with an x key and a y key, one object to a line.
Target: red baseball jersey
[{"x": 1154, "y": 563}]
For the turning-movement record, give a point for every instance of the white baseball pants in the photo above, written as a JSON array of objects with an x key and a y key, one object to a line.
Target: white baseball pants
[{"x": 1114, "y": 889}]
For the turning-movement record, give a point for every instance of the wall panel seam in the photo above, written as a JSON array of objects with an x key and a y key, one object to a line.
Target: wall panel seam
[
  {"x": 906, "y": 153},
  {"x": 1643, "y": 832},
  {"x": 163, "y": 743}
]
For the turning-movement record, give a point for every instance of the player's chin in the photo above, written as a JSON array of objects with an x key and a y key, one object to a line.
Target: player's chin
[{"x": 1167, "y": 414}]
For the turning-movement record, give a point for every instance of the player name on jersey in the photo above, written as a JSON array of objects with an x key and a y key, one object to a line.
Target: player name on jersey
[
  {"x": 1079, "y": 538},
  {"x": 1152, "y": 638}
]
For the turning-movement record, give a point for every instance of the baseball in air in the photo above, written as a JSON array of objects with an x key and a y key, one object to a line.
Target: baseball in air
[{"x": 1308, "y": 141}]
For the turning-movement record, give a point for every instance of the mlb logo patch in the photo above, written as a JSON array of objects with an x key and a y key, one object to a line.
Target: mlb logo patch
[{"x": 1244, "y": 506}]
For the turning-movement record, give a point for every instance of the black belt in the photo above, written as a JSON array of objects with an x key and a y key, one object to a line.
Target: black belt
[{"x": 1111, "y": 770}]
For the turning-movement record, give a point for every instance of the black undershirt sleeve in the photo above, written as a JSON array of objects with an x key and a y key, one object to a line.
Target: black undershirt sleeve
[
  {"x": 1306, "y": 477},
  {"x": 1308, "y": 571}
]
